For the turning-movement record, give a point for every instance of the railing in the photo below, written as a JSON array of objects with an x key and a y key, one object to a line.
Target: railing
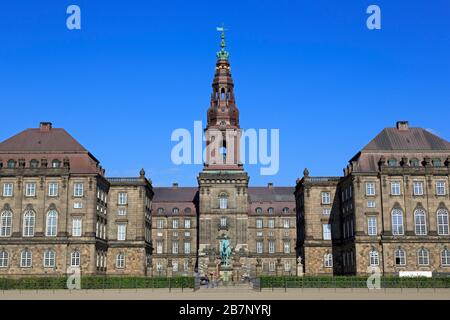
[
  {"x": 130, "y": 179},
  {"x": 323, "y": 179}
]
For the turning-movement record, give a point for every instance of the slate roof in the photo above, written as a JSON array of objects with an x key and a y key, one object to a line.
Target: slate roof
[
  {"x": 273, "y": 194},
  {"x": 171, "y": 194}
]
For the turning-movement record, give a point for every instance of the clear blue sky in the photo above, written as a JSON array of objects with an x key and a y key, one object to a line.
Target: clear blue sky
[{"x": 139, "y": 69}]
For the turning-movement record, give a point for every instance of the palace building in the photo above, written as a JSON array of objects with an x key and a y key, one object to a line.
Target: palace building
[{"x": 58, "y": 210}]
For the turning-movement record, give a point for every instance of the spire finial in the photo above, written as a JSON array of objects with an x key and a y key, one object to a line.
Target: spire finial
[{"x": 222, "y": 54}]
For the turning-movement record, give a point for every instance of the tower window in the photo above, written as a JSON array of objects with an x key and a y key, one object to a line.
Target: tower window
[{"x": 223, "y": 202}]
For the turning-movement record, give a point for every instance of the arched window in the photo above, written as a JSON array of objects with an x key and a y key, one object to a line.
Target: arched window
[
  {"x": 374, "y": 258},
  {"x": 445, "y": 257},
  {"x": 4, "y": 259},
  {"x": 392, "y": 162},
  {"x": 285, "y": 210},
  {"x": 420, "y": 222},
  {"x": 11, "y": 164},
  {"x": 5, "y": 224},
  {"x": 223, "y": 201},
  {"x": 400, "y": 257},
  {"x": 187, "y": 210},
  {"x": 328, "y": 260},
  {"x": 52, "y": 224},
  {"x": 442, "y": 219},
  {"x": 397, "y": 222},
  {"x": 26, "y": 259},
  {"x": 270, "y": 210},
  {"x": 437, "y": 162},
  {"x": 75, "y": 258},
  {"x": 415, "y": 162},
  {"x": 160, "y": 210},
  {"x": 258, "y": 210},
  {"x": 34, "y": 163},
  {"x": 120, "y": 261},
  {"x": 423, "y": 257},
  {"x": 49, "y": 259},
  {"x": 28, "y": 223},
  {"x": 56, "y": 163},
  {"x": 175, "y": 210}
]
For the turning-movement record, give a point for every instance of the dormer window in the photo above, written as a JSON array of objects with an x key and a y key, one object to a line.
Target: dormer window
[
  {"x": 160, "y": 210},
  {"x": 258, "y": 210},
  {"x": 415, "y": 162},
  {"x": 392, "y": 162},
  {"x": 285, "y": 210},
  {"x": 34, "y": 163},
  {"x": 56, "y": 163},
  {"x": 175, "y": 210},
  {"x": 11, "y": 164},
  {"x": 437, "y": 162},
  {"x": 270, "y": 210}
]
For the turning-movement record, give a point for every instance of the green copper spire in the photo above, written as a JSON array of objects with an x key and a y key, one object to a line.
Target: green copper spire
[{"x": 222, "y": 54}]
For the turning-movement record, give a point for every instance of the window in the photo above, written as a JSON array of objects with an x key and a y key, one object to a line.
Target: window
[
  {"x": 223, "y": 202},
  {"x": 26, "y": 259},
  {"x": 326, "y": 228},
  {"x": 374, "y": 258},
  {"x": 6, "y": 224},
  {"x": 122, "y": 198},
  {"x": 258, "y": 210},
  {"x": 371, "y": 204},
  {"x": 159, "y": 247},
  {"x": 437, "y": 162},
  {"x": 420, "y": 222},
  {"x": 423, "y": 257},
  {"x": 270, "y": 210},
  {"x": 285, "y": 210},
  {"x": 287, "y": 247},
  {"x": 34, "y": 163},
  {"x": 187, "y": 247},
  {"x": 271, "y": 223},
  {"x": 287, "y": 266},
  {"x": 78, "y": 189},
  {"x": 326, "y": 198},
  {"x": 75, "y": 259},
  {"x": 52, "y": 189},
  {"x": 30, "y": 190},
  {"x": 286, "y": 224},
  {"x": 11, "y": 164},
  {"x": 259, "y": 223},
  {"x": 159, "y": 266},
  {"x": 223, "y": 222},
  {"x": 160, "y": 210},
  {"x": 121, "y": 212},
  {"x": 397, "y": 222},
  {"x": 415, "y": 162},
  {"x": 418, "y": 188},
  {"x": 175, "y": 210},
  {"x": 175, "y": 247},
  {"x": 440, "y": 188},
  {"x": 78, "y": 205},
  {"x": 442, "y": 217},
  {"x": 259, "y": 247},
  {"x": 326, "y": 211},
  {"x": 52, "y": 224},
  {"x": 121, "y": 232},
  {"x": 56, "y": 163},
  {"x": 271, "y": 246},
  {"x": 160, "y": 224},
  {"x": 187, "y": 223},
  {"x": 28, "y": 223},
  {"x": 175, "y": 224},
  {"x": 49, "y": 259},
  {"x": 370, "y": 188},
  {"x": 271, "y": 266},
  {"x": 120, "y": 261},
  {"x": 328, "y": 260},
  {"x": 187, "y": 234},
  {"x": 4, "y": 259},
  {"x": 175, "y": 266},
  {"x": 445, "y": 257},
  {"x": 395, "y": 188},
  {"x": 372, "y": 226},
  {"x": 8, "y": 189},
  {"x": 76, "y": 227},
  {"x": 392, "y": 162},
  {"x": 400, "y": 257}
]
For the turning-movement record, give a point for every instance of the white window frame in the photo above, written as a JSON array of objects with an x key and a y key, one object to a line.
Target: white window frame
[
  {"x": 370, "y": 189},
  {"x": 271, "y": 223},
  {"x": 30, "y": 189},
  {"x": 175, "y": 247},
  {"x": 121, "y": 232},
  {"x": 326, "y": 231},
  {"x": 271, "y": 246},
  {"x": 6, "y": 219},
  {"x": 396, "y": 189},
  {"x": 223, "y": 202},
  {"x": 51, "y": 225},
  {"x": 326, "y": 211},
  {"x": 418, "y": 188},
  {"x": 159, "y": 247},
  {"x": 442, "y": 221},
  {"x": 371, "y": 204},
  {"x": 259, "y": 223},
  {"x": 326, "y": 197},
  {"x": 122, "y": 198},
  {"x": 75, "y": 259},
  {"x": 53, "y": 189},
  {"x": 160, "y": 224},
  {"x": 8, "y": 189},
  {"x": 120, "y": 261},
  {"x": 187, "y": 223},
  {"x": 49, "y": 259},
  {"x": 423, "y": 257},
  {"x": 372, "y": 226},
  {"x": 445, "y": 258},
  {"x": 401, "y": 255},
  {"x": 287, "y": 247},
  {"x": 328, "y": 260},
  {"x": 398, "y": 229},
  {"x": 420, "y": 222},
  {"x": 4, "y": 259},
  {"x": 374, "y": 258},
  {"x": 78, "y": 189},
  {"x": 175, "y": 224},
  {"x": 29, "y": 222},
  {"x": 26, "y": 259},
  {"x": 286, "y": 223},
  {"x": 77, "y": 227},
  {"x": 187, "y": 247},
  {"x": 441, "y": 189},
  {"x": 259, "y": 246}
]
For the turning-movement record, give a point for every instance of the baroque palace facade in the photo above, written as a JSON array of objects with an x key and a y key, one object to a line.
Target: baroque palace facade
[{"x": 58, "y": 210}]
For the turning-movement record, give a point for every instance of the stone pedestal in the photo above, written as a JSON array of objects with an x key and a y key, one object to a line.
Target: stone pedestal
[
  {"x": 236, "y": 273},
  {"x": 300, "y": 270}
]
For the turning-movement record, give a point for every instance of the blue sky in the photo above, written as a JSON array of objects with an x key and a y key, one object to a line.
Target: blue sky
[{"x": 137, "y": 70}]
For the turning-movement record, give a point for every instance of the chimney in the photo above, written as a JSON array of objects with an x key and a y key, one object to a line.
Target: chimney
[
  {"x": 402, "y": 125},
  {"x": 45, "y": 126},
  {"x": 270, "y": 185},
  {"x": 174, "y": 185}
]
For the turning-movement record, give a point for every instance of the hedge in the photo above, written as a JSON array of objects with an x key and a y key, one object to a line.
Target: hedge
[
  {"x": 95, "y": 282},
  {"x": 351, "y": 282}
]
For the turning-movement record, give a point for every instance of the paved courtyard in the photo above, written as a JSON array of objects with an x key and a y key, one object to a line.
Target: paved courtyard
[{"x": 230, "y": 294}]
